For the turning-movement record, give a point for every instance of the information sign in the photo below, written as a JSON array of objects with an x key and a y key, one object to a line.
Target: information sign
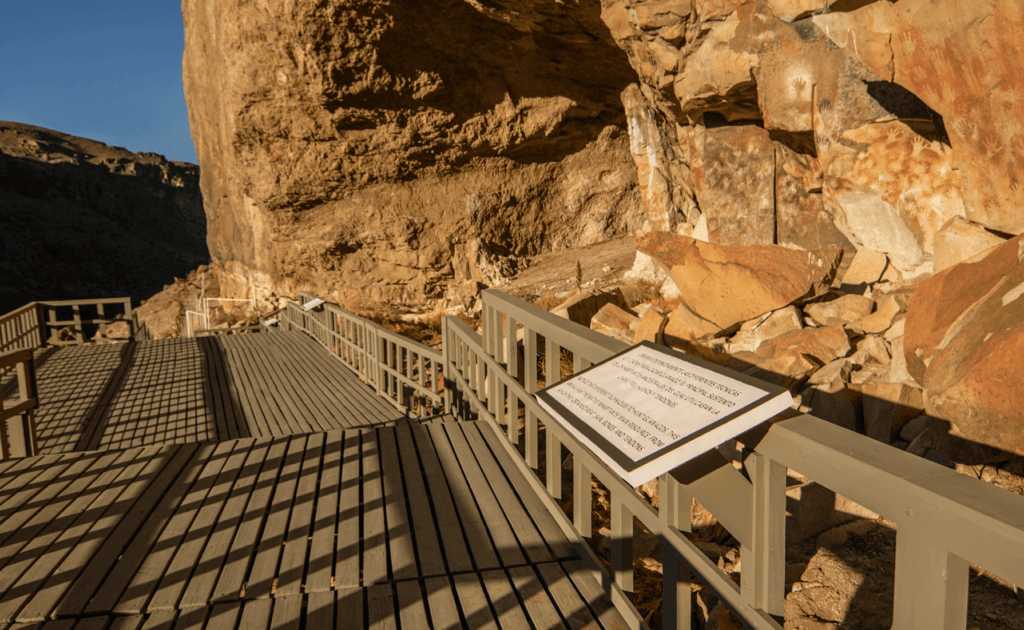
[{"x": 650, "y": 409}]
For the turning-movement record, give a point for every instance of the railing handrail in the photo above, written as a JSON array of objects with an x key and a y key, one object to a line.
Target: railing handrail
[
  {"x": 18, "y": 438},
  {"x": 944, "y": 519},
  {"x": 386, "y": 360}
]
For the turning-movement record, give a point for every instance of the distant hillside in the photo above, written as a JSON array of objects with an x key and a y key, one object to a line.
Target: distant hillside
[{"x": 81, "y": 219}]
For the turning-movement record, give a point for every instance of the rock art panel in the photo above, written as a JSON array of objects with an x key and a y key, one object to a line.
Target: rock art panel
[
  {"x": 963, "y": 60},
  {"x": 734, "y": 177}
]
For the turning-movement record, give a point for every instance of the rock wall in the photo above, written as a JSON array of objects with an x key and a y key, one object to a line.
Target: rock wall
[
  {"x": 80, "y": 219},
  {"x": 890, "y": 126},
  {"x": 395, "y": 148}
]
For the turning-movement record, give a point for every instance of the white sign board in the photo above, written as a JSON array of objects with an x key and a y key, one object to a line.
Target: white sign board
[
  {"x": 650, "y": 409},
  {"x": 310, "y": 305},
  {"x": 270, "y": 322}
]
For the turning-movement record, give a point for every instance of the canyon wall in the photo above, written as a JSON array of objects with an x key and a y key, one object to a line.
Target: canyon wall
[
  {"x": 393, "y": 149},
  {"x": 868, "y": 124},
  {"x": 80, "y": 219}
]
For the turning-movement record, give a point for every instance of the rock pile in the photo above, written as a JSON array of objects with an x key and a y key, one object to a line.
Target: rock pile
[{"x": 912, "y": 364}]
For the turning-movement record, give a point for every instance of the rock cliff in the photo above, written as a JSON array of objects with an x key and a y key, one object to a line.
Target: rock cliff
[
  {"x": 80, "y": 219},
  {"x": 891, "y": 126},
  {"x": 396, "y": 148}
]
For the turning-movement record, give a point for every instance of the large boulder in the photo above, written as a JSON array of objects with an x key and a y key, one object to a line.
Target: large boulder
[
  {"x": 963, "y": 342},
  {"x": 368, "y": 147},
  {"x": 728, "y": 285}
]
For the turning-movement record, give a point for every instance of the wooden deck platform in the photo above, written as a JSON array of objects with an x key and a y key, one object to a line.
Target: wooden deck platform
[
  {"x": 194, "y": 390},
  {"x": 427, "y": 524}
]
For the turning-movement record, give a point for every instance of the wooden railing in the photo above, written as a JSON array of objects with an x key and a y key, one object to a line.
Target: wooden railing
[
  {"x": 68, "y": 322},
  {"x": 17, "y": 420},
  {"x": 21, "y": 329},
  {"x": 944, "y": 520},
  {"x": 405, "y": 373}
]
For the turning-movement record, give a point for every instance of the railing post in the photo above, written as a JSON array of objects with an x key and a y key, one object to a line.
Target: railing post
[
  {"x": 621, "y": 543},
  {"x": 674, "y": 512},
  {"x": 764, "y": 567},
  {"x": 931, "y": 583},
  {"x": 582, "y": 498},
  {"x": 553, "y": 448},
  {"x": 530, "y": 367}
]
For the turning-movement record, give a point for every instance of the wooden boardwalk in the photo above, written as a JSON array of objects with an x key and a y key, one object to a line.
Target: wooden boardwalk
[
  {"x": 251, "y": 481},
  {"x": 195, "y": 390},
  {"x": 427, "y": 524}
]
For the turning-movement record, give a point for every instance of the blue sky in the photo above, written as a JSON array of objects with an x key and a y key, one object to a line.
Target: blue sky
[{"x": 109, "y": 70}]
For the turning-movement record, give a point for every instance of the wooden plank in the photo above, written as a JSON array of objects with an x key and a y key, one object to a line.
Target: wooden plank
[
  {"x": 544, "y": 521},
  {"x": 572, "y": 607},
  {"x": 351, "y": 609},
  {"x": 37, "y": 486},
  {"x": 373, "y": 406},
  {"x": 295, "y": 385},
  {"x": 357, "y": 402},
  {"x": 193, "y": 619},
  {"x": 538, "y": 604},
  {"x": 374, "y": 538},
  {"x": 176, "y": 516},
  {"x": 484, "y": 554},
  {"x": 51, "y": 546},
  {"x": 133, "y": 622},
  {"x": 175, "y": 580},
  {"x": 320, "y": 611},
  {"x": 291, "y": 575},
  {"x": 261, "y": 578},
  {"x": 299, "y": 416},
  {"x": 247, "y": 391},
  {"x": 287, "y": 613},
  {"x": 593, "y": 593},
  {"x": 380, "y": 608},
  {"x": 522, "y": 521},
  {"x": 428, "y": 548},
  {"x": 412, "y": 608},
  {"x": 104, "y": 560},
  {"x": 213, "y": 396},
  {"x": 28, "y": 537},
  {"x": 256, "y": 614},
  {"x": 325, "y": 527},
  {"x": 347, "y": 569},
  {"x": 511, "y": 615},
  {"x": 229, "y": 389},
  {"x": 136, "y": 552},
  {"x": 266, "y": 392},
  {"x": 444, "y": 611},
  {"x": 214, "y": 554},
  {"x": 224, "y": 616},
  {"x": 401, "y": 547},
  {"x": 473, "y": 601},
  {"x": 490, "y": 506},
  {"x": 456, "y": 553},
  {"x": 93, "y": 555}
]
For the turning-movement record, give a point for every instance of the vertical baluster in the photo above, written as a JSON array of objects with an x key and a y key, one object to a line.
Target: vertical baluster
[
  {"x": 763, "y": 569},
  {"x": 674, "y": 511},
  {"x": 582, "y": 498},
  {"x": 512, "y": 367},
  {"x": 553, "y": 448},
  {"x": 622, "y": 542},
  {"x": 530, "y": 366},
  {"x": 931, "y": 583}
]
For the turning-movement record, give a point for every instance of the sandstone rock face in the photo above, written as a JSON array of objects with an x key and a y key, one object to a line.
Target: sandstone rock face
[
  {"x": 389, "y": 148},
  {"x": 583, "y": 306},
  {"x": 80, "y": 219},
  {"x": 964, "y": 339},
  {"x": 728, "y": 285},
  {"x": 878, "y": 122}
]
